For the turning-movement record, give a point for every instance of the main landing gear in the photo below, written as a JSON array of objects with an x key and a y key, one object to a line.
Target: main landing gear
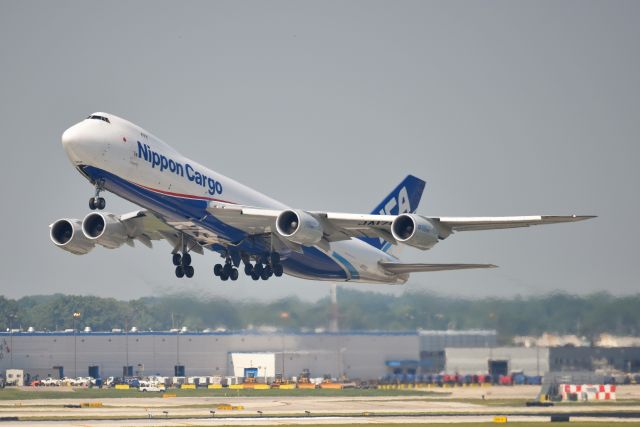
[
  {"x": 98, "y": 202},
  {"x": 264, "y": 268},
  {"x": 183, "y": 265},
  {"x": 226, "y": 271}
]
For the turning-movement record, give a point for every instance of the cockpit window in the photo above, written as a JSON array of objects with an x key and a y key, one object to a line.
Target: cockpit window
[{"x": 104, "y": 119}]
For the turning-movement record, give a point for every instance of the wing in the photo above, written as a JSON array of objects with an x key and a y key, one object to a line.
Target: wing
[
  {"x": 398, "y": 268},
  {"x": 344, "y": 226}
]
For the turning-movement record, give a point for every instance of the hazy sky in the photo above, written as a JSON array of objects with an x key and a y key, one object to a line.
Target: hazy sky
[{"x": 504, "y": 108}]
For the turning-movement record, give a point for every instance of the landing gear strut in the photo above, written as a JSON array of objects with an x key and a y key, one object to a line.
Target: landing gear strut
[{"x": 98, "y": 202}]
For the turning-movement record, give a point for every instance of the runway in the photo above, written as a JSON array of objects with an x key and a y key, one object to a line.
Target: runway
[{"x": 192, "y": 411}]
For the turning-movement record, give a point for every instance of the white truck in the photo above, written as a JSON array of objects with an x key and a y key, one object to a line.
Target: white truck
[{"x": 15, "y": 377}]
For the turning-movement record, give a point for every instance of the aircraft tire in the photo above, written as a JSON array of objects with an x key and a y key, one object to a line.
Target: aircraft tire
[
  {"x": 258, "y": 268},
  {"x": 265, "y": 274},
  {"x": 248, "y": 269},
  {"x": 268, "y": 270},
  {"x": 278, "y": 270},
  {"x": 186, "y": 259},
  {"x": 179, "y": 272},
  {"x": 255, "y": 275},
  {"x": 176, "y": 259},
  {"x": 227, "y": 269},
  {"x": 234, "y": 274},
  {"x": 223, "y": 276},
  {"x": 217, "y": 269},
  {"x": 188, "y": 271},
  {"x": 101, "y": 203},
  {"x": 92, "y": 203}
]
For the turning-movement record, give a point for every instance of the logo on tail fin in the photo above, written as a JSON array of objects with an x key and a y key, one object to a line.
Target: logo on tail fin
[{"x": 405, "y": 198}]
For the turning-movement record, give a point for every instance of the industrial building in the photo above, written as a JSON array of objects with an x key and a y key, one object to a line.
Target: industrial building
[
  {"x": 433, "y": 345},
  {"x": 363, "y": 355},
  {"x": 355, "y": 355},
  {"x": 497, "y": 360}
]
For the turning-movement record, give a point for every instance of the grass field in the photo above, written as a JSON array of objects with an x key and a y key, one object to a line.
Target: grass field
[{"x": 46, "y": 393}]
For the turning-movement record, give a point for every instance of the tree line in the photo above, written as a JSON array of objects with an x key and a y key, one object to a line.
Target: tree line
[{"x": 560, "y": 313}]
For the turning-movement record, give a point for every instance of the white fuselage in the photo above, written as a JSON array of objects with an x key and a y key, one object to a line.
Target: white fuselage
[{"x": 140, "y": 167}]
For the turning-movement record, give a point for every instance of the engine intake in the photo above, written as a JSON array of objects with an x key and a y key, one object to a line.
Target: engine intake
[
  {"x": 104, "y": 229},
  {"x": 299, "y": 227},
  {"x": 414, "y": 230},
  {"x": 67, "y": 234}
]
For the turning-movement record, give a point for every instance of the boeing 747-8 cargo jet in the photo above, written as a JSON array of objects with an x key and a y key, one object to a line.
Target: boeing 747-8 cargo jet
[{"x": 195, "y": 208}]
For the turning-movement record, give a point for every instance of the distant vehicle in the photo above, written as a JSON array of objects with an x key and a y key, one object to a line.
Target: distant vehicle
[
  {"x": 15, "y": 377},
  {"x": 48, "y": 382},
  {"x": 84, "y": 381},
  {"x": 132, "y": 382},
  {"x": 195, "y": 208},
  {"x": 156, "y": 388}
]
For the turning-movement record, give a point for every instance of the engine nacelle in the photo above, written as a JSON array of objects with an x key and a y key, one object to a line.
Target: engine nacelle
[
  {"x": 67, "y": 234},
  {"x": 299, "y": 227},
  {"x": 414, "y": 230},
  {"x": 104, "y": 229}
]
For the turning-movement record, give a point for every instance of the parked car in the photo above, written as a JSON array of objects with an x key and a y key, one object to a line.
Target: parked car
[
  {"x": 155, "y": 388},
  {"x": 50, "y": 382}
]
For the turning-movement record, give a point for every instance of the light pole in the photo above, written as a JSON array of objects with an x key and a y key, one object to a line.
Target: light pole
[
  {"x": 284, "y": 316},
  {"x": 125, "y": 371},
  {"x": 76, "y": 316},
  {"x": 177, "y": 368},
  {"x": 11, "y": 317}
]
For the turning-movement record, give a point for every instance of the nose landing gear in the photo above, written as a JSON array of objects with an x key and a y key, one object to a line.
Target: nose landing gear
[{"x": 98, "y": 202}]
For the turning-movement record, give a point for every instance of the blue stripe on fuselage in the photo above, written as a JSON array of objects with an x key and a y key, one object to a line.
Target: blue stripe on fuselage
[
  {"x": 352, "y": 270},
  {"x": 313, "y": 263}
]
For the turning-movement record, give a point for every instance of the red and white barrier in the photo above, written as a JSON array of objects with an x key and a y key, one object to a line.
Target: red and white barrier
[{"x": 588, "y": 391}]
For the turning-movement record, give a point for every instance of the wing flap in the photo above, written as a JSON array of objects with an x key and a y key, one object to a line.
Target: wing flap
[
  {"x": 398, "y": 268},
  {"x": 246, "y": 218}
]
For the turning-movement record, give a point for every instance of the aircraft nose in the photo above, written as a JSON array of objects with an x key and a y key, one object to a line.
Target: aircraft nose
[
  {"x": 75, "y": 142},
  {"x": 69, "y": 136}
]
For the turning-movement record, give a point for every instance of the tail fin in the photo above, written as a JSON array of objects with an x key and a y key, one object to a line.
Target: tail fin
[{"x": 405, "y": 198}]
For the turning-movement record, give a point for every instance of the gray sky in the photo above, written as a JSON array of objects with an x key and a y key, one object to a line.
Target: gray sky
[{"x": 504, "y": 108}]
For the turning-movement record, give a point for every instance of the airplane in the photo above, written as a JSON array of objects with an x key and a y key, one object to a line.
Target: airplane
[{"x": 195, "y": 208}]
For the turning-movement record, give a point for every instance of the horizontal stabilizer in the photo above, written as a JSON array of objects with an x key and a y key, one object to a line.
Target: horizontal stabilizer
[{"x": 398, "y": 268}]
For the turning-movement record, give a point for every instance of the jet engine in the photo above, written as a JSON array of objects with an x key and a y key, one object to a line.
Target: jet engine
[
  {"x": 104, "y": 229},
  {"x": 67, "y": 235},
  {"x": 415, "y": 231},
  {"x": 299, "y": 227}
]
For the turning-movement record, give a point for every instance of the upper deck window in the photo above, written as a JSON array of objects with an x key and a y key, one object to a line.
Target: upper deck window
[{"x": 104, "y": 119}]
